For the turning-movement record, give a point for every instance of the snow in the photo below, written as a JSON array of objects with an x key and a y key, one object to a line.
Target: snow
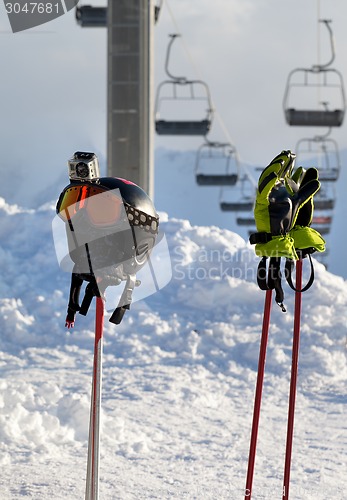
[{"x": 178, "y": 378}]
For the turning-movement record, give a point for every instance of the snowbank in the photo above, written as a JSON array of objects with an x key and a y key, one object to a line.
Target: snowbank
[{"x": 179, "y": 375}]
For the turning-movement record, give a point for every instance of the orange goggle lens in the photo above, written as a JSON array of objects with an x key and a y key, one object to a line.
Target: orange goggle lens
[{"x": 102, "y": 210}]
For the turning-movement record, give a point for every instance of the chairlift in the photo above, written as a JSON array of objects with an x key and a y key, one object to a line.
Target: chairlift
[
  {"x": 324, "y": 203},
  {"x": 245, "y": 221},
  {"x": 237, "y": 206},
  {"x": 245, "y": 203},
  {"x": 324, "y": 230},
  {"x": 324, "y": 152},
  {"x": 321, "y": 219},
  {"x": 216, "y": 164},
  {"x": 327, "y": 81},
  {"x": 91, "y": 17},
  {"x": 325, "y": 197},
  {"x": 157, "y": 8},
  {"x": 180, "y": 90}
]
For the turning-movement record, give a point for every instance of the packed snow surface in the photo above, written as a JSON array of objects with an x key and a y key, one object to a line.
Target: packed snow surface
[{"x": 178, "y": 377}]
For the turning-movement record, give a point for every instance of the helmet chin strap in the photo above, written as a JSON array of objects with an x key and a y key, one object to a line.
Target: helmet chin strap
[
  {"x": 96, "y": 288},
  {"x": 125, "y": 300}
]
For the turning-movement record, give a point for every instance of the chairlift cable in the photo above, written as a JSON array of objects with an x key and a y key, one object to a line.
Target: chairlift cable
[
  {"x": 227, "y": 135},
  {"x": 318, "y": 47},
  {"x": 318, "y": 34}
]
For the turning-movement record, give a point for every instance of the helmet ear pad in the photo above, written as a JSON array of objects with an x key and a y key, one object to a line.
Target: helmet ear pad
[{"x": 143, "y": 243}]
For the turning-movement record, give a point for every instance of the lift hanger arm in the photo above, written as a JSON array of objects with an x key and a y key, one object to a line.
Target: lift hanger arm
[
  {"x": 168, "y": 51},
  {"x": 318, "y": 67}
]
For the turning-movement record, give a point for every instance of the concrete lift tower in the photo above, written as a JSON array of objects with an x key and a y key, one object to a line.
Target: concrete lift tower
[{"x": 130, "y": 120}]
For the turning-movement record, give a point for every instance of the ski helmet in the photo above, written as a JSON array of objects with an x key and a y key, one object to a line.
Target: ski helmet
[{"x": 111, "y": 223}]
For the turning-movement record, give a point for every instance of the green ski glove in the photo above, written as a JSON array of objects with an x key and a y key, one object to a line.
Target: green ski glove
[
  {"x": 280, "y": 198},
  {"x": 306, "y": 239}
]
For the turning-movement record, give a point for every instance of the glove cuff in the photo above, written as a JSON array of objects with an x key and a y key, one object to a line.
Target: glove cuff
[
  {"x": 307, "y": 237},
  {"x": 278, "y": 246}
]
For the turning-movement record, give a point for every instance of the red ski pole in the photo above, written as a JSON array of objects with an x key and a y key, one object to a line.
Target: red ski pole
[
  {"x": 92, "y": 479},
  {"x": 293, "y": 380},
  {"x": 258, "y": 393}
]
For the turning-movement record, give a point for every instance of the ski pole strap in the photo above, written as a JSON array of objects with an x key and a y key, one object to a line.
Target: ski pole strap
[
  {"x": 260, "y": 238},
  {"x": 289, "y": 266},
  {"x": 92, "y": 291},
  {"x": 271, "y": 280},
  {"x": 73, "y": 305},
  {"x": 125, "y": 300}
]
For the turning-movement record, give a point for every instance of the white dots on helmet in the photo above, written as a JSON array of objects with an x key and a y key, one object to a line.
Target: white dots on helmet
[{"x": 141, "y": 219}]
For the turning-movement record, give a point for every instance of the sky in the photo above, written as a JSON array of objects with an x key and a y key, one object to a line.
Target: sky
[{"x": 54, "y": 77}]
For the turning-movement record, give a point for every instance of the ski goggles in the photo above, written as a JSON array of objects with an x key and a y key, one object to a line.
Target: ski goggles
[{"x": 104, "y": 208}]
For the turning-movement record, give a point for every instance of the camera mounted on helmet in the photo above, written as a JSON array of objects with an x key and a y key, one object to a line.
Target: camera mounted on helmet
[{"x": 83, "y": 167}]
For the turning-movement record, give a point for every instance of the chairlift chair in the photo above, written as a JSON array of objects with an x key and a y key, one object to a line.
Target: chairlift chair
[
  {"x": 325, "y": 198},
  {"x": 91, "y": 17},
  {"x": 237, "y": 206},
  {"x": 324, "y": 203},
  {"x": 321, "y": 219},
  {"x": 324, "y": 152},
  {"x": 174, "y": 126},
  {"x": 245, "y": 203},
  {"x": 217, "y": 156},
  {"x": 327, "y": 81},
  {"x": 324, "y": 230},
  {"x": 180, "y": 90},
  {"x": 245, "y": 221}
]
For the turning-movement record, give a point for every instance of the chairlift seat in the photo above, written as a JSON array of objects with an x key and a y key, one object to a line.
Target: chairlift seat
[
  {"x": 245, "y": 221},
  {"x": 329, "y": 175},
  {"x": 238, "y": 206},
  {"x": 165, "y": 127},
  {"x": 324, "y": 219},
  {"x": 324, "y": 230},
  {"x": 327, "y": 204},
  {"x": 216, "y": 179},
  {"x": 314, "y": 118}
]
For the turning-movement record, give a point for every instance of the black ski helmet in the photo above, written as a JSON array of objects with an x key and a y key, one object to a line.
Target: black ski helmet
[{"x": 126, "y": 243}]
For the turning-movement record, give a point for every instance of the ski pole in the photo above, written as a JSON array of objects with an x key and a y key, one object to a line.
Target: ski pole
[
  {"x": 258, "y": 393},
  {"x": 293, "y": 380},
  {"x": 92, "y": 479}
]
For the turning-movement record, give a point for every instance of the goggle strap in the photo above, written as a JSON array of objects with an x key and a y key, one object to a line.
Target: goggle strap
[{"x": 137, "y": 218}]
